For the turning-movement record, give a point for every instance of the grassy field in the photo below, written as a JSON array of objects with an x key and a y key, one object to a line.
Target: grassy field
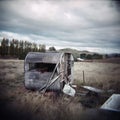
[
  {"x": 101, "y": 75},
  {"x": 19, "y": 103}
]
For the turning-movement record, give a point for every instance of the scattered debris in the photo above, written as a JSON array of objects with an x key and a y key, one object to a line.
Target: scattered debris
[
  {"x": 90, "y": 101},
  {"x": 113, "y": 103},
  {"x": 93, "y": 89},
  {"x": 111, "y": 91},
  {"x": 80, "y": 59},
  {"x": 69, "y": 90}
]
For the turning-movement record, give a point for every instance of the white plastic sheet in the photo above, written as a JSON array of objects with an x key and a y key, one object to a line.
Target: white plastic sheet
[{"x": 69, "y": 90}]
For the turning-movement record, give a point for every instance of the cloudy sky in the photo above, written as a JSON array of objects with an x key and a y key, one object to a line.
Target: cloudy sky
[{"x": 92, "y": 25}]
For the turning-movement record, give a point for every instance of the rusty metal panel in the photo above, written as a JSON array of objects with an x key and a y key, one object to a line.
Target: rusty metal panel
[{"x": 113, "y": 103}]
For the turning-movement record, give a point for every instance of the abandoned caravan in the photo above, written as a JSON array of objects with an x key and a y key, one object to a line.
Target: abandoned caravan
[{"x": 48, "y": 71}]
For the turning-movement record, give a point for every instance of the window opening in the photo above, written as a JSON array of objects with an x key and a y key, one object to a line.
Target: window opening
[{"x": 42, "y": 67}]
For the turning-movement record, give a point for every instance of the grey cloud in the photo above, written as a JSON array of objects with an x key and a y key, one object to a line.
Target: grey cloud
[{"x": 74, "y": 23}]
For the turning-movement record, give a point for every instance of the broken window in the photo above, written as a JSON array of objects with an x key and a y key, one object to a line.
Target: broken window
[{"x": 42, "y": 67}]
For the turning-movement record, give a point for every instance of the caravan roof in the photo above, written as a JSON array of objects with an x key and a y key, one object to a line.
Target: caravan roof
[{"x": 48, "y": 57}]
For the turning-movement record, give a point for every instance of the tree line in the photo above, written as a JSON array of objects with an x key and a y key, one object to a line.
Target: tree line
[
  {"x": 18, "y": 48},
  {"x": 91, "y": 56}
]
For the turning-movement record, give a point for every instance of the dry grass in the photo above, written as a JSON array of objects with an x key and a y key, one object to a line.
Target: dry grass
[
  {"x": 31, "y": 104},
  {"x": 102, "y": 75},
  {"x": 15, "y": 99}
]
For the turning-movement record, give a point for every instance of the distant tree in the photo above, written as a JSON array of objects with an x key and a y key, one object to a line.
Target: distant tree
[
  {"x": 11, "y": 48},
  {"x": 7, "y": 47},
  {"x": 4, "y": 49},
  {"x": 15, "y": 48},
  {"x": 0, "y": 50},
  {"x": 35, "y": 48},
  {"x": 97, "y": 56},
  {"x": 42, "y": 48},
  {"x": 83, "y": 55},
  {"x": 52, "y": 48},
  {"x": 21, "y": 50},
  {"x": 29, "y": 46},
  {"x": 88, "y": 56}
]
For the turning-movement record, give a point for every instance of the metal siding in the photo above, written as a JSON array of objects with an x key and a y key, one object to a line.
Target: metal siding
[
  {"x": 43, "y": 57},
  {"x": 37, "y": 83},
  {"x": 37, "y": 57},
  {"x": 113, "y": 103}
]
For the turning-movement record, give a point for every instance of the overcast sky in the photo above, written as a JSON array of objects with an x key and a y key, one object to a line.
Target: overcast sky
[{"x": 92, "y": 25}]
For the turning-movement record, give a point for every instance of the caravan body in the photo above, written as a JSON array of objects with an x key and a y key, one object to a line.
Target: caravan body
[{"x": 50, "y": 70}]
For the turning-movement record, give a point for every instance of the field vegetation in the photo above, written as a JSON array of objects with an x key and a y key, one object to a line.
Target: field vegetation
[
  {"x": 105, "y": 76},
  {"x": 16, "y": 102}
]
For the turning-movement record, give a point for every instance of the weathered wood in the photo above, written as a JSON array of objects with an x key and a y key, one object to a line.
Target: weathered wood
[{"x": 83, "y": 77}]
